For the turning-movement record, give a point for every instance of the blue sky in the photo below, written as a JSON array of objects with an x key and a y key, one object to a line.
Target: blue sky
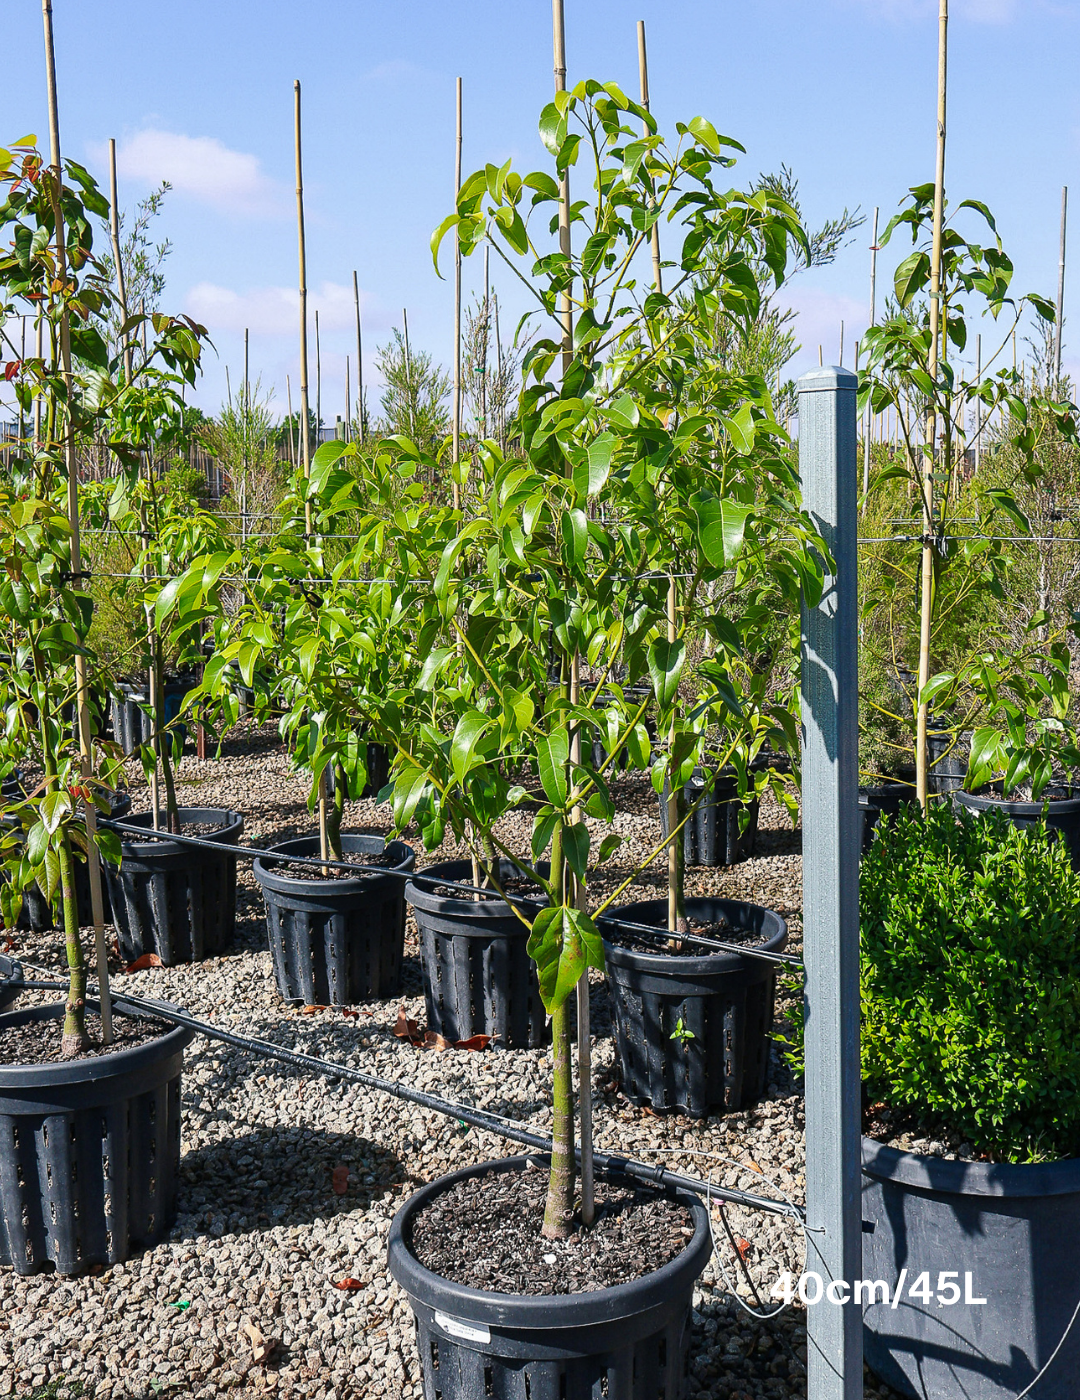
[{"x": 842, "y": 91}]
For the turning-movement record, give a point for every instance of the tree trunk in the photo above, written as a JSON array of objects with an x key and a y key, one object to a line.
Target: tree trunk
[{"x": 559, "y": 1210}]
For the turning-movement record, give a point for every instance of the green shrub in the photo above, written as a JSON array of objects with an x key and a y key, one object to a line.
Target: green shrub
[{"x": 971, "y": 981}]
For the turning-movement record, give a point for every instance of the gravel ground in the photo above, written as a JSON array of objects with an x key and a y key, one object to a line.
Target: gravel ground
[{"x": 264, "y": 1232}]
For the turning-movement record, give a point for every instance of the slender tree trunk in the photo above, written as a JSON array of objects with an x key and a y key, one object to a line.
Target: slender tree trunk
[{"x": 559, "y": 1207}]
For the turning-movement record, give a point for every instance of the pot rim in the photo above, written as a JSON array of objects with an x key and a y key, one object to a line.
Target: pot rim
[
  {"x": 690, "y": 964},
  {"x": 269, "y": 878},
  {"x": 1058, "y": 806},
  {"x": 143, "y": 850},
  {"x": 555, "y": 1310},
  {"x": 463, "y": 905},
  {"x": 954, "y": 1178},
  {"x": 97, "y": 1067}
]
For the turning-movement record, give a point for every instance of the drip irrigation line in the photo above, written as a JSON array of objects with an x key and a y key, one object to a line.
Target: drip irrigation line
[
  {"x": 417, "y": 876},
  {"x": 474, "y": 1117}
]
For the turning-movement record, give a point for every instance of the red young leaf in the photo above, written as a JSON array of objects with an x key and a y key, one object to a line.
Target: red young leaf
[
  {"x": 340, "y": 1179},
  {"x": 12, "y": 368},
  {"x": 141, "y": 964}
]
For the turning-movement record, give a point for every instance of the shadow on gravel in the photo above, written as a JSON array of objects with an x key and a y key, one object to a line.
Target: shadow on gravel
[{"x": 279, "y": 1176}]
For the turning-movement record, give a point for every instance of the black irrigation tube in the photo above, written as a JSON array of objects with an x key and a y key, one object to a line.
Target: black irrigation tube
[
  {"x": 358, "y": 872},
  {"x": 475, "y": 1117}
]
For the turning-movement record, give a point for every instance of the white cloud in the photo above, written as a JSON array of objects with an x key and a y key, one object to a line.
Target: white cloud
[
  {"x": 203, "y": 168},
  {"x": 275, "y": 310}
]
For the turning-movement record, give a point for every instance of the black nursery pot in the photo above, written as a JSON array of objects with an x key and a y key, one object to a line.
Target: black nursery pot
[
  {"x": 1012, "y": 1228},
  {"x": 173, "y": 900},
  {"x": 38, "y": 915},
  {"x": 89, "y": 1152},
  {"x": 10, "y": 977},
  {"x": 629, "y": 1342},
  {"x": 478, "y": 976},
  {"x": 1062, "y": 815},
  {"x": 879, "y": 804},
  {"x": 724, "y": 1000},
  {"x": 336, "y": 942},
  {"x": 711, "y": 836}
]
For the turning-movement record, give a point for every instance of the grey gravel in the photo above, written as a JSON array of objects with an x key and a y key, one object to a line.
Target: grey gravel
[{"x": 262, "y": 1238}]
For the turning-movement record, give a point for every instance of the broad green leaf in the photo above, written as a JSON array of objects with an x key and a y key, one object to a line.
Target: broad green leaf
[
  {"x": 552, "y": 754},
  {"x": 576, "y": 848},
  {"x": 563, "y": 943},
  {"x": 665, "y": 668},
  {"x": 471, "y": 728}
]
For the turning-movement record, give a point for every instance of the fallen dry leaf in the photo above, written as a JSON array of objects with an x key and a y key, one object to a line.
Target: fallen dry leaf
[
  {"x": 261, "y": 1346},
  {"x": 474, "y": 1042},
  {"x": 434, "y": 1041},
  {"x": 743, "y": 1246},
  {"x": 406, "y": 1028},
  {"x": 349, "y": 1285},
  {"x": 310, "y": 1010},
  {"x": 340, "y": 1179},
  {"x": 141, "y": 964},
  {"x": 354, "y": 1015},
  {"x": 754, "y": 1166}
]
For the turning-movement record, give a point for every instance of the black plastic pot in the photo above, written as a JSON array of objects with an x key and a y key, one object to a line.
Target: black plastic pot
[
  {"x": 132, "y": 721},
  {"x": 879, "y": 804},
  {"x": 89, "y": 1153},
  {"x": 336, "y": 942},
  {"x": 1062, "y": 815},
  {"x": 724, "y": 1002},
  {"x": 945, "y": 774},
  {"x": 711, "y": 836},
  {"x": 176, "y": 901},
  {"x": 38, "y": 915},
  {"x": 629, "y": 1342},
  {"x": 478, "y": 976},
  {"x": 1012, "y": 1228}
]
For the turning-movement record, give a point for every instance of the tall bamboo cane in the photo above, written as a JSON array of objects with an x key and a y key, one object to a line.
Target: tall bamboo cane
[
  {"x": 457, "y": 315},
  {"x": 76, "y": 998},
  {"x": 926, "y": 601}
]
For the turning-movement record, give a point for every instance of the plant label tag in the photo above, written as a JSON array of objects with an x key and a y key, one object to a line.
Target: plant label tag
[{"x": 464, "y": 1331}]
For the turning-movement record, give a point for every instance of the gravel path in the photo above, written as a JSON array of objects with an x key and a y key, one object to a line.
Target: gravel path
[{"x": 262, "y": 1236}]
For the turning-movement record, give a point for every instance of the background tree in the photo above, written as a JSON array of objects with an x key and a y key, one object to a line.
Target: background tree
[{"x": 415, "y": 399}]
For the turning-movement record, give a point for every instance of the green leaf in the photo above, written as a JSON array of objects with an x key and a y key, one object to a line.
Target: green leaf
[
  {"x": 471, "y": 728},
  {"x": 742, "y": 430},
  {"x": 721, "y": 530},
  {"x": 433, "y": 665},
  {"x": 563, "y": 942},
  {"x": 575, "y": 532},
  {"x": 552, "y": 754},
  {"x": 911, "y": 277},
  {"x": 544, "y": 824},
  {"x": 409, "y": 787},
  {"x": 591, "y": 473},
  {"x": 576, "y": 848},
  {"x": 665, "y": 668}
]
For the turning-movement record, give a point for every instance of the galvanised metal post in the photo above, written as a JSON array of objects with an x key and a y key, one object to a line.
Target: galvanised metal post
[{"x": 828, "y": 466}]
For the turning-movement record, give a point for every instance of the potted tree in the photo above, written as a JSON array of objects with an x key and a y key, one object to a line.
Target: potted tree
[
  {"x": 556, "y": 539},
  {"x": 92, "y": 1101},
  {"x": 971, "y": 1164},
  {"x": 303, "y": 629},
  {"x": 936, "y": 581},
  {"x": 175, "y": 901}
]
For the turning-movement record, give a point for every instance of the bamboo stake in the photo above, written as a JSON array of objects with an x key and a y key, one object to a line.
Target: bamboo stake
[
  {"x": 318, "y": 385},
  {"x": 305, "y": 438},
  {"x": 39, "y": 351},
  {"x": 978, "y": 404},
  {"x": 820, "y": 357},
  {"x": 841, "y": 343},
  {"x": 484, "y": 348},
  {"x": 928, "y": 461},
  {"x": 81, "y": 686},
  {"x": 566, "y": 319},
  {"x": 456, "y": 489},
  {"x": 643, "y": 74},
  {"x": 302, "y": 427},
  {"x": 873, "y": 321},
  {"x": 1061, "y": 289},
  {"x": 118, "y": 259},
  {"x": 673, "y": 796},
  {"x": 348, "y": 402},
  {"x": 499, "y": 362},
  {"x": 408, "y": 371},
  {"x": 359, "y": 363},
  {"x": 292, "y": 440}
]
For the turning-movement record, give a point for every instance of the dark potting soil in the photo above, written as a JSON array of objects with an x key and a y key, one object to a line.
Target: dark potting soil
[
  {"x": 382, "y": 860},
  {"x": 519, "y": 885},
  {"x": 38, "y": 1042},
  {"x": 909, "y": 1131},
  {"x": 676, "y": 947},
  {"x": 485, "y": 1233}
]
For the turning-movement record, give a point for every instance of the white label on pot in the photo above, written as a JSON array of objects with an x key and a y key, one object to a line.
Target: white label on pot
[{"x": 464, "y": 1331}]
